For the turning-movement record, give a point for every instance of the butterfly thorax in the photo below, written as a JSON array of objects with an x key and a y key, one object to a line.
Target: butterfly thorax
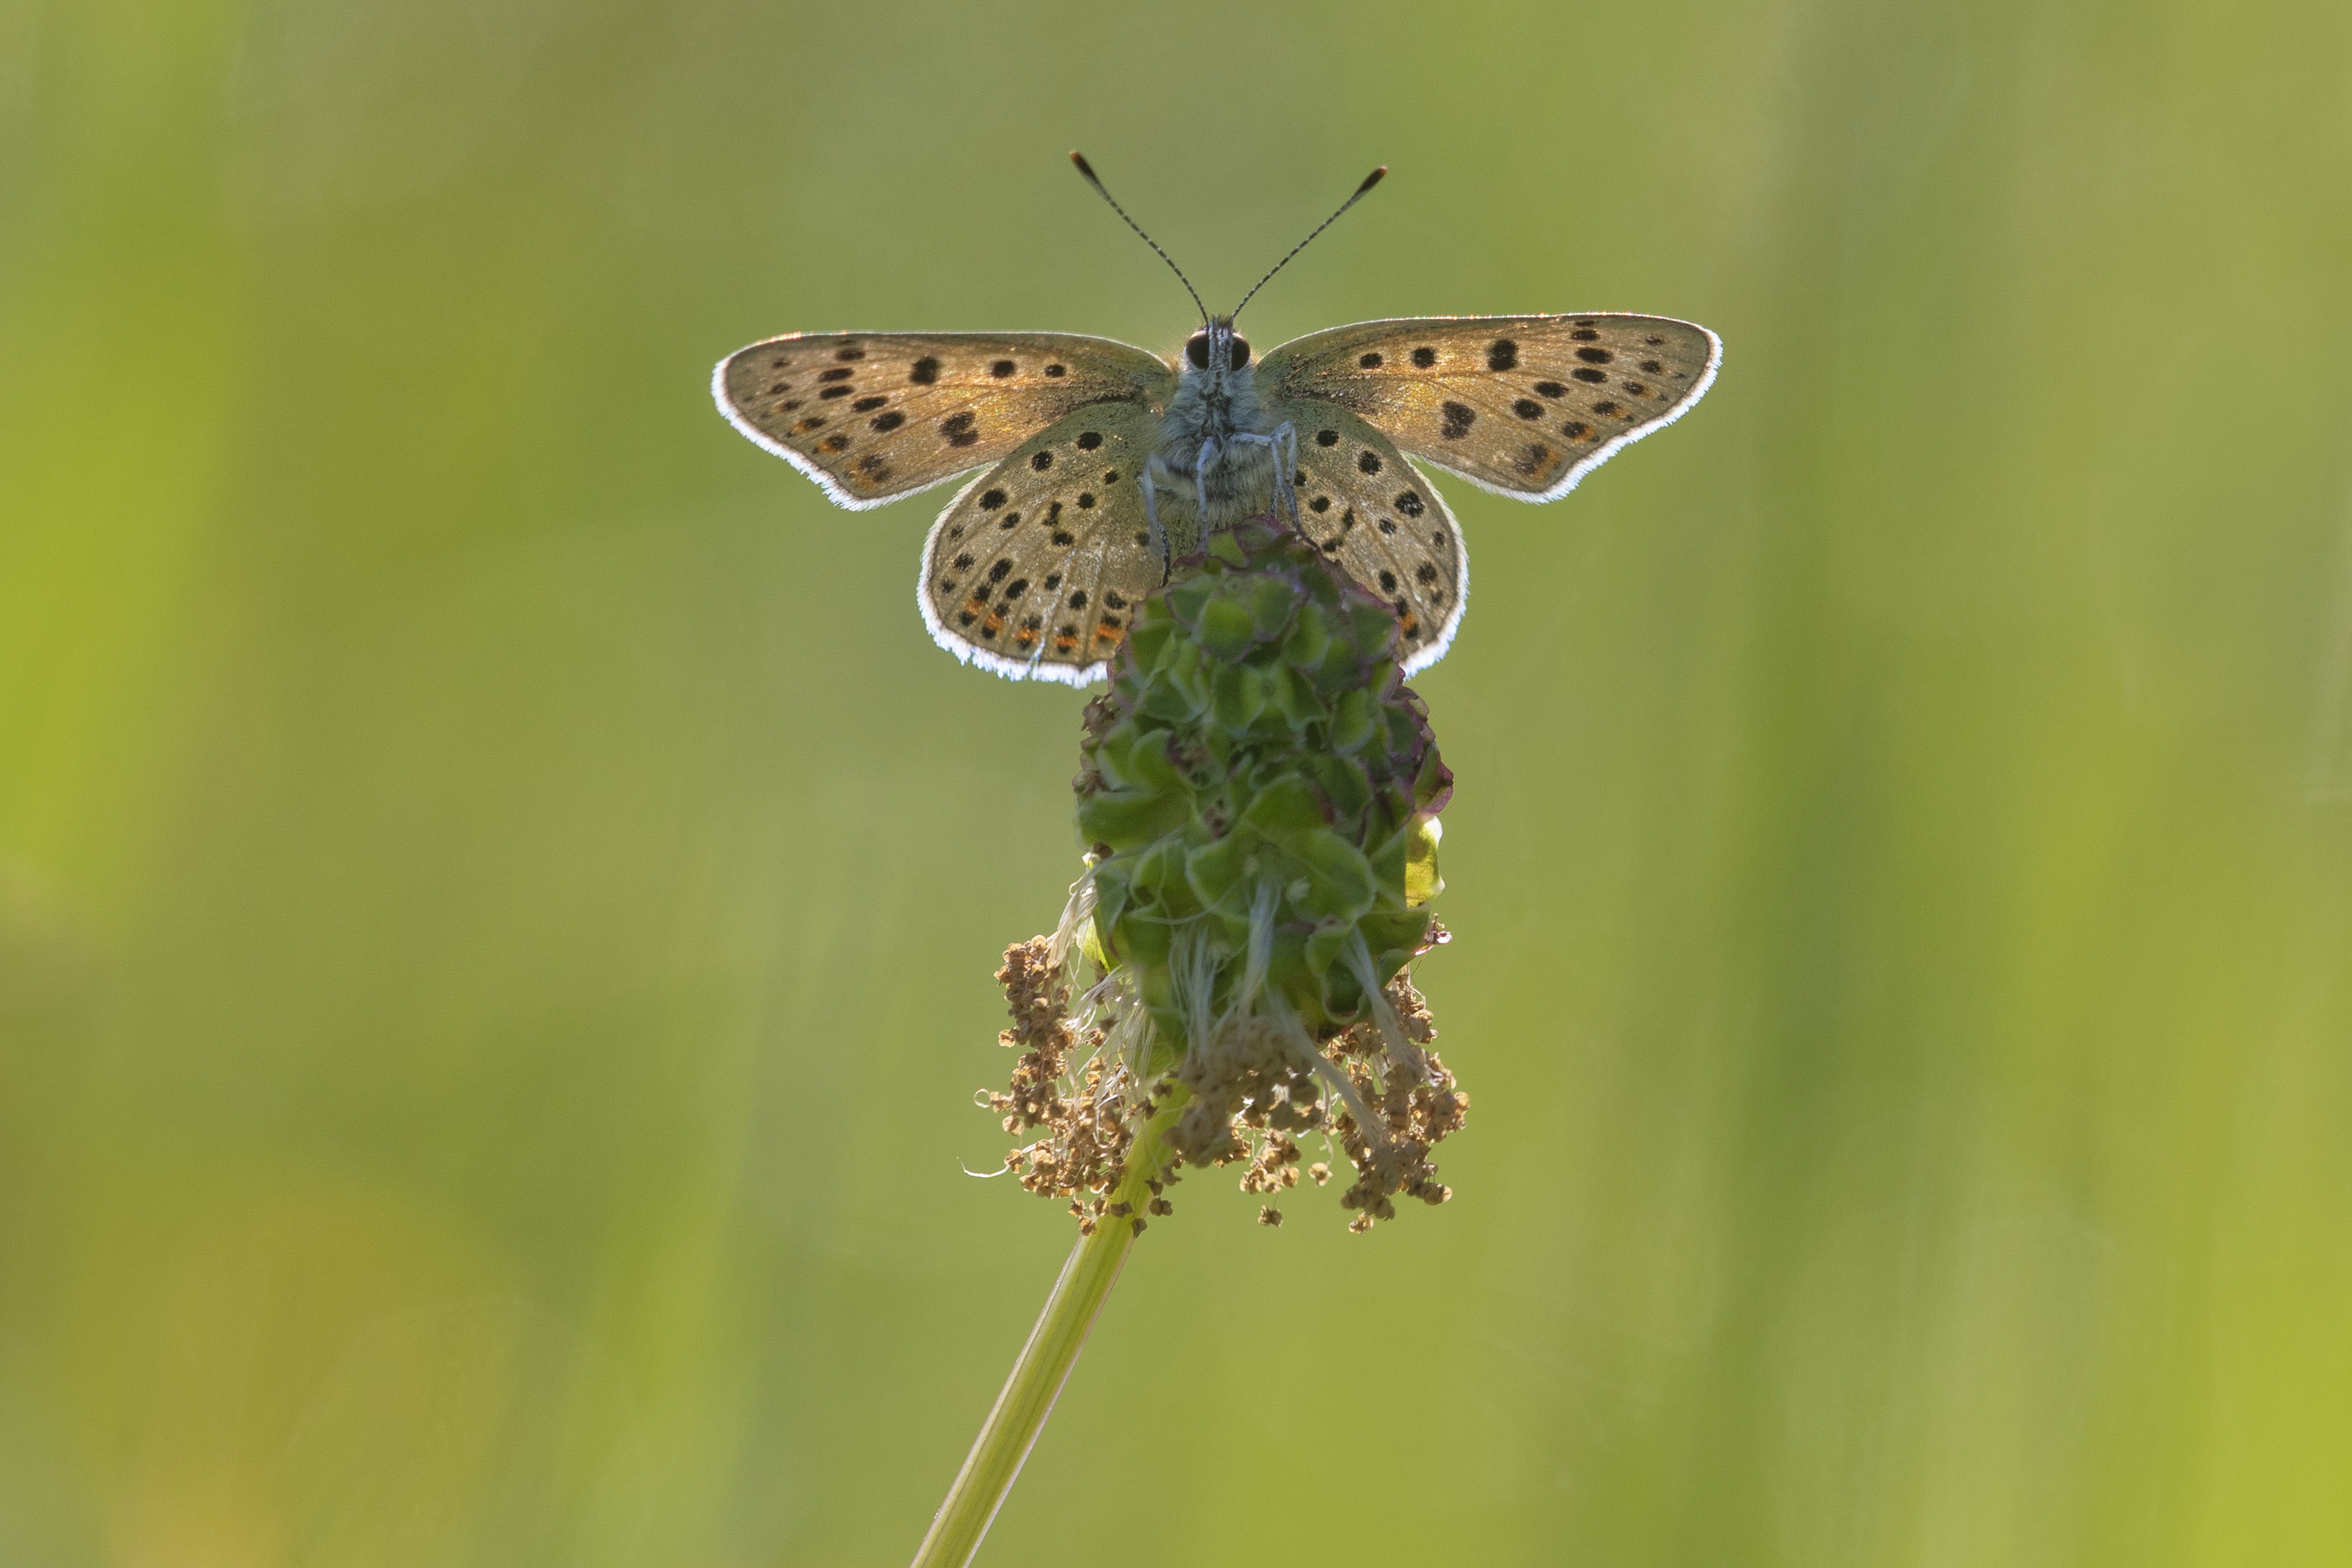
[{"x": 1214, "y": 480}]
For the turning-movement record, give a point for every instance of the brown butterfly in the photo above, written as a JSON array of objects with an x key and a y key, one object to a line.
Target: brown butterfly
[{"x": 1103, "y": 463}]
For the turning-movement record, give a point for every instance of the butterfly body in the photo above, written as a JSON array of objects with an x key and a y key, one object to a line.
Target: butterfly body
[{"x": 1218, "y": 455}]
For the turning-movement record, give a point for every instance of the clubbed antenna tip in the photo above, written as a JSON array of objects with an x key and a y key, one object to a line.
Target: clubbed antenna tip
[{"x": 1370, "y": 181}]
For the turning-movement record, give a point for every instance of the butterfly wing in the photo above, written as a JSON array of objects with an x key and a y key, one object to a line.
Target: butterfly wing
[
  {"x": 872, "y": 416},
  {"x": 1521, "y": 405},
  {"x": 1034, "y": 568},
  {"x": 1364, "y": 506}
]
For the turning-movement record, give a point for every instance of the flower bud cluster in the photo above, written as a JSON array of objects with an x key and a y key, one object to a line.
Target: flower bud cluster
[
  {"x": 1259, "y": 792},
  {"x": 1259, "y": 787}
]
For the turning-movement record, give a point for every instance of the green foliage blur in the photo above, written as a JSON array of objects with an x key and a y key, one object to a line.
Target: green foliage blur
[{"x": 497, "y": 894}]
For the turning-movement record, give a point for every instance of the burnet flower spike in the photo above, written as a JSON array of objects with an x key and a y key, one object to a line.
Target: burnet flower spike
[{"x": 1259, "y": 796}]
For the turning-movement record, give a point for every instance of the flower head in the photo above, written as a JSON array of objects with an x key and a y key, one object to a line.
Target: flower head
[{"x": 1258, "y": 793}]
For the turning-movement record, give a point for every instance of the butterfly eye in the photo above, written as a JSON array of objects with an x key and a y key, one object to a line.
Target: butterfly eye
[
  {"x": 1240, "y": 353},
  {"x": 1197, "y": 351}
]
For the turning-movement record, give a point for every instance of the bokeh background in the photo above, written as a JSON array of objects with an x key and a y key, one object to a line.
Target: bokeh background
[{"x": 497, "y": 894}]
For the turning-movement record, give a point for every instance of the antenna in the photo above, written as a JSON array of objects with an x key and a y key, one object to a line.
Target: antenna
[
  {"x": 1370, "y": 181},
  {"x": 1086, "y": 169}
]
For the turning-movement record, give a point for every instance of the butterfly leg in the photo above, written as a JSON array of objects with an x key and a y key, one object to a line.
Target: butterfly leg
[
  {"x": 1200, "y": 486},
  {"x": 1286, "y": 466},
  {"x": 1151, "y": 515},
  {"x": 1286, "y": 498}
]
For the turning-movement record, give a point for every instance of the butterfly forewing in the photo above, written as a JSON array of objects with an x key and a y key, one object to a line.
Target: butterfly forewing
[
  {"x": 1035, "y": 567},
  {"x": 1367, "y": 509},
  {"x": 1523, "y": 405},
  {"x": 875, "y": 415}
]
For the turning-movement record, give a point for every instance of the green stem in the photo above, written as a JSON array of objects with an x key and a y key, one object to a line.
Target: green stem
[{"x": 1078, "y": 1297}]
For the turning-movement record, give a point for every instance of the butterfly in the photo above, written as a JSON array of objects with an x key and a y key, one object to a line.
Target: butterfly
[{"x": 1103, "y": 465}]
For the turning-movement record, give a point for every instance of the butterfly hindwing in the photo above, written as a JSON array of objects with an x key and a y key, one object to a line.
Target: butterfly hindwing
[
  {"x": 1522, "y": 405},
  {"x": 871, "y": 416},
  {"x": 1034, "y": 568},
  {"x": 1365, "y": 507}
]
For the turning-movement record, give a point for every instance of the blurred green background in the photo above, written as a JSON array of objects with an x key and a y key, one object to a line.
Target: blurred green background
[{"x": 497, "y": 892}]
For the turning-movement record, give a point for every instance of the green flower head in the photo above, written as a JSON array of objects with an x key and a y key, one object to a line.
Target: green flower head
[{"x": 1258, "y": 794}]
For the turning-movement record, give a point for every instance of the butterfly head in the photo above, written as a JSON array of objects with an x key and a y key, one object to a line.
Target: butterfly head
[{"x": 1216, "y": 351}]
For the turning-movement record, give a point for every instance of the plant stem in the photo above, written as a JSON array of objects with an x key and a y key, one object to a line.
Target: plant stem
[{"x": 1045, "y": 1362}]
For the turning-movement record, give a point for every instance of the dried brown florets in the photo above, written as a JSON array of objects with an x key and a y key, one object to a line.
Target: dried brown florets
[
  {"x": 1038, "y": 998},
  {"x": 1088, "y": 1123},
  {"x": 1252, "y": 1080},
  {"x": 1252, "y": 1098}
]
